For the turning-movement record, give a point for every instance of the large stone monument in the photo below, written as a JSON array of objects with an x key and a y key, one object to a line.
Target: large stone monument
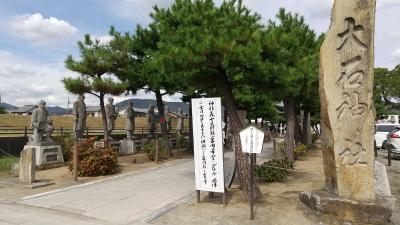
[
  {"x": 80, "y": 114},
  {"x": 111, "y": 116},
  {"x": 127, "y": 146},
  {"x": 347, "y": 117},
  {"x": 47, "y": 151}
]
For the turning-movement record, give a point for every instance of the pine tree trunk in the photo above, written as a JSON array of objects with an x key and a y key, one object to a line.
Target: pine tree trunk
[
  {"x": 306, "y": 128},
  {"x": 298, "y": 135},
  {"x": 164, "y": 128},
  {"x": 104, "y": 118},
  {"x": 190, "y": 147},
  {"x": 242, "y": 163},
  {"x": 290, "y": 114}
]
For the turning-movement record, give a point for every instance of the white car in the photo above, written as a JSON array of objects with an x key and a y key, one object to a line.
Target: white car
[
  {"x": 393, "y": 141},
  {"x": 381, "y": 132}
]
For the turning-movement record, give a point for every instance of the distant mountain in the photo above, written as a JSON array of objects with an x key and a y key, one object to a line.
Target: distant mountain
[
  {"x": 57, "y": 110},
  {"x": 144, "y": 104},
  {"x": 7, "y": 106}
]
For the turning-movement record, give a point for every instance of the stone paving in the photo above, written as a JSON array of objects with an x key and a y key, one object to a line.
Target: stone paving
[
  {"x": 123, "y": 199},
  {"x": 132, "y": 198}
]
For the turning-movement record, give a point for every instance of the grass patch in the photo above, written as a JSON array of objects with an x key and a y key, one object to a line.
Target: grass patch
[{"x": 7, "y": 162}]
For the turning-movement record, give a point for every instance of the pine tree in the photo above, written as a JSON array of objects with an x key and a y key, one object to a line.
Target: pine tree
[{"x": 96, "y": 65}]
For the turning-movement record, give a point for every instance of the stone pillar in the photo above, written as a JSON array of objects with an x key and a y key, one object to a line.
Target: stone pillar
[
  {"x": 347, "y": 118},
  {"x": 27, "y": 166},
  {"x": 347, "y": 109}
]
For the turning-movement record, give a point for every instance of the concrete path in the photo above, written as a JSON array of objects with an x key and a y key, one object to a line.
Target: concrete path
[
  {"x": 12, "y": 214},
  {"x": 125, "y": 199},
  {"x": 134, "y": 198}
]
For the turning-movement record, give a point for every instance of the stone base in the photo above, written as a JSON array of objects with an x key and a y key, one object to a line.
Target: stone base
[
  {"x": 127, "y": 147},
  {"x": 35, "y": 184},
  {"x": 113, "y": 143},
  {"x": 47, "y": 154},
  {"x": 338, "y": 210}
]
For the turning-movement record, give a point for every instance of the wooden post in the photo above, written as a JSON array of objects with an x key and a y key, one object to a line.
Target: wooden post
[
  {"x": 157, "y": 150},
  {"x": 389, "y": 155},
  {"x": 251, "y": 193},
  {"x": 198, "y": 196},
  {"x": 224, "y": 198},
  {"x": 75, "y": 161}
]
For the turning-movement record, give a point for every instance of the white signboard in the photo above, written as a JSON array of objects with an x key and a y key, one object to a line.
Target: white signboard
[
  {"x": 252, "y": 139},
  {"x": 208, "y": 148}
]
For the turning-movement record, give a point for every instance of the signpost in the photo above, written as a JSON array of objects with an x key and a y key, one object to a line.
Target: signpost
[
  {"x": 208, "y": 146},
  {"x": 251, "y": 139}
]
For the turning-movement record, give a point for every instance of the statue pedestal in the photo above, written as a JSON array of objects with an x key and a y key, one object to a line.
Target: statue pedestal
[
  {"x": 114, "y": 144},
  {"x": 127, "y": 146},
  {"x": 46, "y": 153}
]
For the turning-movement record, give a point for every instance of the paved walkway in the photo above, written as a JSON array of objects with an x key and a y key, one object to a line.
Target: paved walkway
[
  {"x": 124, "y": 199},
  {"x": 133, "y": 198}
]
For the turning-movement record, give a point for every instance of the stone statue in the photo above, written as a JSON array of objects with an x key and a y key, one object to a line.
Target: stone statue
[
  {"x": 39, "y": 122},
  {"x": 49, "y": 129},
  {"x": 41, "y": 149},
  {"x": 111, "y": 115},
  {"x": 168, "y": 118},
  {"x": 130, "y": 121},
  {"x": 181, "y": 118},
  {"x": 151, "y": 122},
  {"x": 80, "y": 114}
]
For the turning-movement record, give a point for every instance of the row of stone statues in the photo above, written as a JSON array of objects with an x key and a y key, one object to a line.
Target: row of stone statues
[{"x": 42, "y": 125}]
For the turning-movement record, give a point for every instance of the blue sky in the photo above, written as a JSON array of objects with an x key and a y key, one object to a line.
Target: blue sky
[{"x": 37, "y": 35}]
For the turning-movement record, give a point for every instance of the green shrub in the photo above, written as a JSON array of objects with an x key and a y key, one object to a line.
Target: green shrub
[
  {"x": 7, "y": 162},
  {"x": 275, "y": 170},
  {"x": 300, "y": 149},
  {"x": 150, "y": 148},
  {"x": 67, "y": 143},
  {"x": 180, "y": 141},
  {"x": 95, "y": 161}
]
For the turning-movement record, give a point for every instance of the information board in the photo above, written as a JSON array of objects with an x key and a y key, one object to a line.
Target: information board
[
  {"x": 208, "y": 146},
  {"x": 252, "y": 139}
]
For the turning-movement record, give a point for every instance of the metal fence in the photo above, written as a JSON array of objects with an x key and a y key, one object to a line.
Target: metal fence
[
  {"x": 90, "y": 131},
  {"x": 13, "y": 140}
]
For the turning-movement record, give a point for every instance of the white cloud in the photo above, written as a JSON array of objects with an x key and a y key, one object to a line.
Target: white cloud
[
  {"x": 380, "y": 4},
  {"x": 38, "y": 80},
  {"x": 40, "y": 31},
  {"x": 138, "y": 10},
  {"x": 396, "y": 54},
  {"x": 105, "y": 39},
  {"x": 12, "y": 66}
]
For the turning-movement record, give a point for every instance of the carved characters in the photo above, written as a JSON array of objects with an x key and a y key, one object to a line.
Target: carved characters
[
  {"x": 353, "y": 152},
  {"x": 350, "y": 80}
]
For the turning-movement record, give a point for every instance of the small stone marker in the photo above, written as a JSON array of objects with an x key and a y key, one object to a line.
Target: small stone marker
[{"x": 27, "y": 166}]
